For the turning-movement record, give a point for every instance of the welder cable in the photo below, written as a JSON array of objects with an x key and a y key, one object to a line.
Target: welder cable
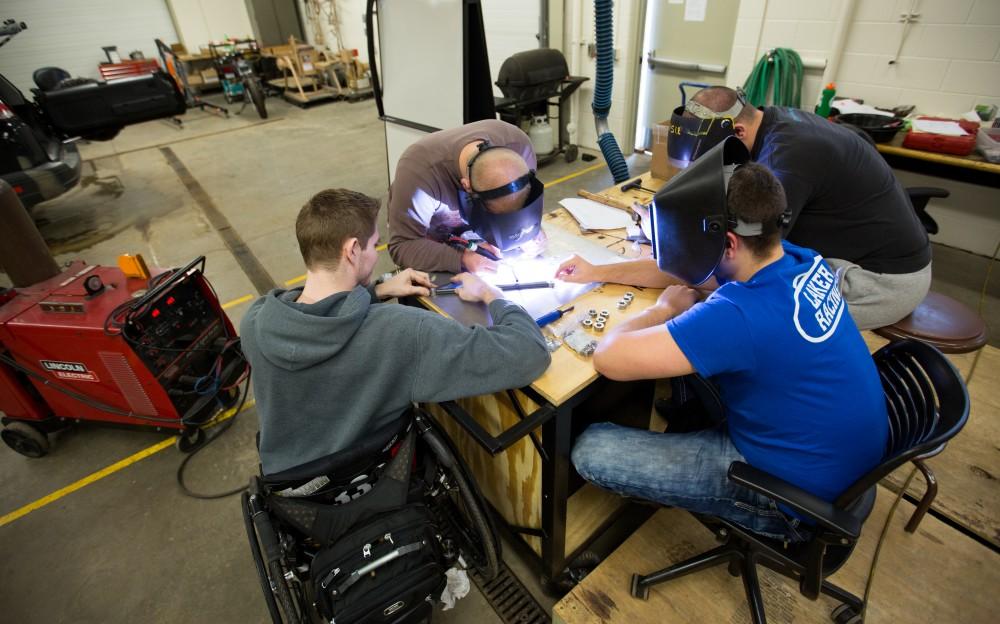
[
  {"x": 223, "y": 428},
  {"x": 603, "y": 79}
]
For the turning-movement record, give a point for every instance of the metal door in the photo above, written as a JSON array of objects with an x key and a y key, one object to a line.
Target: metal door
[{"x": 681, "y": 48}]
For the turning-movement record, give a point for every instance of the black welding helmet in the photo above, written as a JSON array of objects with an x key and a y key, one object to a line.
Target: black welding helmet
[
  {"x": 690, "y": 217},
  {"x": 700, "y": 130},
  {"x": 508, "y": 230}
]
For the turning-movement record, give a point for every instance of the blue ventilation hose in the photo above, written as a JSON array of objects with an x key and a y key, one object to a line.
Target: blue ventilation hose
[{"x": 604, "y": 36}]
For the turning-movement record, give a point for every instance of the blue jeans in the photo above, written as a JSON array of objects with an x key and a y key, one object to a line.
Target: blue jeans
[{"x": 687, "y": 470}]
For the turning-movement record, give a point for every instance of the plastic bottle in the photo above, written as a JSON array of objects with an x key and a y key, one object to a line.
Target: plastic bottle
[
  {"x": 541, "y": 135},
  {"x": 823, "y": 108}
]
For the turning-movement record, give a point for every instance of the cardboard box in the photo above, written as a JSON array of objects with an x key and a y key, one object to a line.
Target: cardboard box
[{"x": 209, "y": 76}]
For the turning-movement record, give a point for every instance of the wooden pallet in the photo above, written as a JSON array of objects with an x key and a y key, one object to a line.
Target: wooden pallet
[
  {"x": 968, "y": 470},
  {"x": 934, "y": 575}
]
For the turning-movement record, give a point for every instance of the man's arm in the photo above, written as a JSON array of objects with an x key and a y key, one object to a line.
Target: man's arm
[
  {"x": 642, "y": 347},
  {"x": 412, "y": 204},
  {"x": 456, "y": 361},
  {"x": 642, "y": 272}
]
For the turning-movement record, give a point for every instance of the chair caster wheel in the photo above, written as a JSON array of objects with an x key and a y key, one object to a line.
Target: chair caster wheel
[
  {"x": 845, "y": 614},
  {"x": 639, "y": 591},
  {"x": 734, "y": 568}
]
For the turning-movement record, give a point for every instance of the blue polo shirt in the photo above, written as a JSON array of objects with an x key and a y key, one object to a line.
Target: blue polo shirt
[{"x": 803, "y": 398}]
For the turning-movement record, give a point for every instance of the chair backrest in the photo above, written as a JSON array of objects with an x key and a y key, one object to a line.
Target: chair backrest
[
  {"x": 48, "y": 77},
  {"x": 927, "y": 404}
]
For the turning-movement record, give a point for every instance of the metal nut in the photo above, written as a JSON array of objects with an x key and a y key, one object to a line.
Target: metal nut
[
  {"x": 604, "y": 314},
  {"x": 622, "y": 305},
  {"x": 599, "y": 326},
  {"x": 629, "y": 295},
  {"x": 588, "y": 323},
  {"x": 592, "y": 313}
]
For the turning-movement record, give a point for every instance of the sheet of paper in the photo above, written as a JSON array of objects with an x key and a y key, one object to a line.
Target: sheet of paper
[
  {"x": 592, "y": 215},
  {"x": 850, "y": 107},
  {"x": 675, "y": 1},
  {"x": 694, "y": 10},
  {"x": 947, "y": 128}
]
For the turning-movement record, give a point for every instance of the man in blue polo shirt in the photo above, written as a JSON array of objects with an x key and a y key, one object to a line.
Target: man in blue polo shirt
[{"x": 802, "y": 397}]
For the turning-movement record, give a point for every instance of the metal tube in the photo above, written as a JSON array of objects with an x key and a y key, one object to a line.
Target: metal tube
[{"x": 24, "y": 256}]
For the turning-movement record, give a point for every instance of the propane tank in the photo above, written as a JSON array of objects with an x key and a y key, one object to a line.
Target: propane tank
[{"x": 541, "y": 135}]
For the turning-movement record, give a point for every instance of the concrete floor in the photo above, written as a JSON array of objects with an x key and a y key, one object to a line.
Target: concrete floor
[{"x": 131, "y": 547}]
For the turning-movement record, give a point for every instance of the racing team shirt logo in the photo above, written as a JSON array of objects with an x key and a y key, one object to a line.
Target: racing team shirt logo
[{"x": 819, "y": 305}]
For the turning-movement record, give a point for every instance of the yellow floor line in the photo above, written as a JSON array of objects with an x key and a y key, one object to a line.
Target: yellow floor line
[
  {"x": 574, "y": 174},
  {"x": 109, "y": 470},
  {"x": 295, "y": 280},
  {"x": 236, "y": 302}
]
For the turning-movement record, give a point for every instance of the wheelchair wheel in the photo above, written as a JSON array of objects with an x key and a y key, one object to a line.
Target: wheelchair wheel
[
  {"x": 460, "y": 503},
  {"x": 274, "y": 585}
]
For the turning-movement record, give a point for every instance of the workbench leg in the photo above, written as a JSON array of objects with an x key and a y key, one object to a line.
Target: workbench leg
[{"x": 555, "y": 491}]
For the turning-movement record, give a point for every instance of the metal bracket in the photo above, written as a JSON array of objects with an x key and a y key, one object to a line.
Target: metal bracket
[{"x": 498, "y": 444}]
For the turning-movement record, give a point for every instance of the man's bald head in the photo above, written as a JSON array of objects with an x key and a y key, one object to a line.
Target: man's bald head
[
  {"x": 494, "y": 168},
  {"x": 719, "y": 99}
]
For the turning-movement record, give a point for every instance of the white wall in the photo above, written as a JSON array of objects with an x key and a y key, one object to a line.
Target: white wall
[
  {"x": 201, "y": 21},
  {"x": 511, "y": 26},
  {"x": 70, "y": 34},
  {"x": 950, "y": 58}
]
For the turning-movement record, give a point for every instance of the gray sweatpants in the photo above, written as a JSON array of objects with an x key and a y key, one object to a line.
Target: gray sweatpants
[{"x": 880, "y": 299}]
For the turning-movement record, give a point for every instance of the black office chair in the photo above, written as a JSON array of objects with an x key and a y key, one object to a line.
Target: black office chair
[
  {"x": 927, "y": 405},
  {"x": 48, "y": 78}
]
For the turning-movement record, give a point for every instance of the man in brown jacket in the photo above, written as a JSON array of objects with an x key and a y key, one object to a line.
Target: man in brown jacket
[{"x": 424, "y": 196}]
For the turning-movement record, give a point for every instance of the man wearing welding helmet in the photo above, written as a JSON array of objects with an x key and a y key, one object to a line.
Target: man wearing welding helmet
[
  {"x": 464, "y": 197},
  {"x": 801, "y": 395},
  {"x": 843, "y": 199}
]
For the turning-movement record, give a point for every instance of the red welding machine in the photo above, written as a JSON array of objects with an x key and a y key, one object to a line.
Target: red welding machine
[{"x": 92, "y": 345}]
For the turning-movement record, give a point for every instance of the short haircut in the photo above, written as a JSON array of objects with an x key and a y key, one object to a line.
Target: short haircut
[
  {"x": 328, "y": 220},
  {"x": 756, "y": 196},
  {"x": 721, "y": 99},
  {"x": 494, "y": 168}
]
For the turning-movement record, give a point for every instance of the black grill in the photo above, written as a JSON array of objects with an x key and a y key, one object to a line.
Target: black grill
[{"x": 511, "y": 601}]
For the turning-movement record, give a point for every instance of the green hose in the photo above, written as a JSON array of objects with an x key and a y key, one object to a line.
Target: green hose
[{"x": 786, "y": 76}]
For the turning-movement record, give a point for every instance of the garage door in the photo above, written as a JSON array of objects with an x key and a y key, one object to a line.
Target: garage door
[{"x": 70, "y": 34}]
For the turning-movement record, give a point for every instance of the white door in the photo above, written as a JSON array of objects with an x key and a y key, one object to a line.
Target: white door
[{"x": 683, "y": 35}]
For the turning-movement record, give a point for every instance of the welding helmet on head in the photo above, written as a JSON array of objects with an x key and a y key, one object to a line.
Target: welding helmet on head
[
  {"x": 702, "y": 129},
  {"x": 509, "y": 230},
  {"x": 690, "y": 217}
]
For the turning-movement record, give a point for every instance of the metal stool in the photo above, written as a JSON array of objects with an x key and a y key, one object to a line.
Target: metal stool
[{"x": 951, "y": 327}]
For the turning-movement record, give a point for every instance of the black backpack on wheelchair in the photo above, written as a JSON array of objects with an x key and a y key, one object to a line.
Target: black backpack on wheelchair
[{"x": 367, "y": 534}]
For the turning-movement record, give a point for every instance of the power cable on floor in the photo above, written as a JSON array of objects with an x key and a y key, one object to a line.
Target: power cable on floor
[{"x": 208, "y": 440}]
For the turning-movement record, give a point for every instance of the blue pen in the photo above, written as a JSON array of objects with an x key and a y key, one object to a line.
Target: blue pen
[{"x": 552, "y": 316}]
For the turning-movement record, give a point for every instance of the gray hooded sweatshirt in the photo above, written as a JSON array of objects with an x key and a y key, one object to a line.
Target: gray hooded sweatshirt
[{"x": 325, "y": 374}]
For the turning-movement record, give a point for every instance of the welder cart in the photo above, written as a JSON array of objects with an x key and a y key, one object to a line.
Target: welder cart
[{"x": 533, "y": 83}]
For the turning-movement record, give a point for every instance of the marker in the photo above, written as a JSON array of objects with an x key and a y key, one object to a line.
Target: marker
[{"x": 552, "y": 316}]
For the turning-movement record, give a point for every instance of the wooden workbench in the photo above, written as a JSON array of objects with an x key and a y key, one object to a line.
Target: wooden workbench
[{"x": 973, "y": 161}]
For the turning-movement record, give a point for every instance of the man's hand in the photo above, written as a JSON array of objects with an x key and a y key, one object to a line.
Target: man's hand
[
  {"x": 577, "y": 270},
  {"x": 473, "y": 288},
  {"x": 677, "y": 299},
  {"x": 475, "y": 263},
  {"x": 406, "y": 283},
  {"x": 536, "y": 246}
]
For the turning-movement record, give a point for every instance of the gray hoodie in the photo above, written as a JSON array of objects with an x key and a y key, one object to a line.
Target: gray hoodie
[{"x": 326, "y": 373}]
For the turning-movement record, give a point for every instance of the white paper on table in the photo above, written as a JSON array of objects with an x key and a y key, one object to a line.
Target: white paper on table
[
  {"x": 593, "y": 215},
  {"x": 850, "y": 107},
  {"x": 694, "y": 10},
  {"x": 947, "y": 128},
  {"x": 675, "y": 1}
]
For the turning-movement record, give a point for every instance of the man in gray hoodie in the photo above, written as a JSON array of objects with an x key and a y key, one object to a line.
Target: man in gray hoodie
[{"x": 331, "y": 364}]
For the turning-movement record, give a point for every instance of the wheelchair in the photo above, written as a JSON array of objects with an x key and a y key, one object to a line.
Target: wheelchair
[{"x": 409, "y": 497}]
